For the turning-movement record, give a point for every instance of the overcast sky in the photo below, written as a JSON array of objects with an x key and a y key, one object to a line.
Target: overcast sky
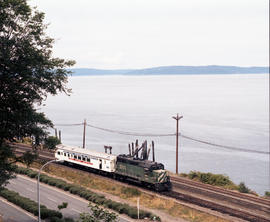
[{"x": 114, "y": 34}]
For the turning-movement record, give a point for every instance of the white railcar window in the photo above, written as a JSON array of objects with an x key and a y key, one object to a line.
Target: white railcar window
[
  {"x": 68, "y": 155},
  {"x": 58, "y": 152},
  {"x": 79, "y": 157},
  {"x": 65, "y": 154},
  {"x": 75, "y": 156},
  {"x": 61, "y": 153},
  {"x": 88, "y": 159},
  {"x": 83, "y": 158}
]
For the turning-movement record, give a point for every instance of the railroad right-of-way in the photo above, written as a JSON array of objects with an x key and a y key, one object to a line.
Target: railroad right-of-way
[{"x": 244, "y": 206}]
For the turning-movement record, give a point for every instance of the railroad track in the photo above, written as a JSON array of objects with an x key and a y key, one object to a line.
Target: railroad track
[
  {"x": 226, "y": 209},
  {"x": 223, "y": 194},
  {"x": 250, "y": 208}
]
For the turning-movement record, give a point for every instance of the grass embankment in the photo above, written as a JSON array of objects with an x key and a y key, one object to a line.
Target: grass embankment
[
  {"x": 91, "y": 196},
  {"x": 152, "y": 201},
  {"x": 217, "y": 180}
]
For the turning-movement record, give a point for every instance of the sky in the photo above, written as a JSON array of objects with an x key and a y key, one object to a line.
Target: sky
[{"x": 123, "y": 34}]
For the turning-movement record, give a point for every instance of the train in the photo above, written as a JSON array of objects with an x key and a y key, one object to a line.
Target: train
[{"x": 123, "y": 167}]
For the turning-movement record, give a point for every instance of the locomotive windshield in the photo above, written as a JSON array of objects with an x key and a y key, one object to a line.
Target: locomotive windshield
[{"x": 158, "y": 166}]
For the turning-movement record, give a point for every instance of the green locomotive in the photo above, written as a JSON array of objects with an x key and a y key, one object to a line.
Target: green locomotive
[{"x": 146, "y": 172}]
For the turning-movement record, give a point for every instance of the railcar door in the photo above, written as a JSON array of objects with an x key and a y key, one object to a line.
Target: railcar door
[{"x": 100, "y": 164}]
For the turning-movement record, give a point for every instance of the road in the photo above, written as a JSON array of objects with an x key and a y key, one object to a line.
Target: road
[
  {"x": 12, "y": 213},
  {"x": 51, "y": 197}
]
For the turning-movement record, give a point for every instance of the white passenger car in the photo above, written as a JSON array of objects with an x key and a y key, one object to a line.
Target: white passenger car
[{"x": 96, "y": 160}]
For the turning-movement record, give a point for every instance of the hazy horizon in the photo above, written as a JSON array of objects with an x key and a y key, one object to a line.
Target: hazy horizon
[{"x": 121, "y": 34}]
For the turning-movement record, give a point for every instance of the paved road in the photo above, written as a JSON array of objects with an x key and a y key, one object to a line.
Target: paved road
[
  {"x": 50, "y": 196},
  {"x": 12, "y": 213}
]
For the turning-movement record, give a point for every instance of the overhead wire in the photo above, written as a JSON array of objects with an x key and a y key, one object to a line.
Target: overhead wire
[
  {"x": 225, "y": 146},
  {"x": 165, "y": 135},
  {"x": 75, "y": 124},
  {"x": 130, "y": 133}
]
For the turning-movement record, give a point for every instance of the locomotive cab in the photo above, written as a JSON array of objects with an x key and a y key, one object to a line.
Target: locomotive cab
[{"x": 148, "y": 173}]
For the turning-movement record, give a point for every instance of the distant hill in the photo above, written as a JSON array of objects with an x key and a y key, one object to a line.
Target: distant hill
[{"x": 173, "y": 70}]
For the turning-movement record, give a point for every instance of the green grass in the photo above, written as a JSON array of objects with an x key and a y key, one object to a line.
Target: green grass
[{"x": 130, "y": 191}]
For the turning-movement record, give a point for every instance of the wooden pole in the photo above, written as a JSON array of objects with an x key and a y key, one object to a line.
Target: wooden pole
[
  {"x": 153, "y": 151},
  {"x": 60, "y": 136},
  {"x": 84, "y": 126},
  {"x": 177, "y": 118}
]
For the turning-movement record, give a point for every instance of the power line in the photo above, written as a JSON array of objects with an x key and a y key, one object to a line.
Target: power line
[
  {"x": 130, "y": 133},
  {"x": 224, "y": 146},
  {"x": 165, "y": 135},
  {"x": 75, "y": 124}
]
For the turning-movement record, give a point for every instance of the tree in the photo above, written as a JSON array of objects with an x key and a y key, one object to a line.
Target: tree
[
  {"x": 28, "y": 73},
  {"x": 98, "y": 214},
  {"x": 51, "y": 142},
  {"x": 28, "y": 158}
]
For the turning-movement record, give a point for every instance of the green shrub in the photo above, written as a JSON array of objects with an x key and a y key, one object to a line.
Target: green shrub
[
  {"x": 210, "y": 178},
  {"x": 51, "y": 142},
  {"x": 133, "y": 213},
  {"x": 56, "y": 219},
  {"x": 100, "y": 200},
  {"x": 52, "y": 182},
  {"x": 75, "y": 189},
  {"x": 267, "y": 193},
  {"x": 44, "y": 178},
  {"x": 67, "y": 186},
  {"x": 108, "y": 203},
  {"x": 22, "y": 170},
  {"x": 243, "y": 188},
  {"x": 32, "y": 174},
  {"x": 68, "y": 219},
  {"x": 193, "y": 174},
  {"x": 62, "y": 206},
  {"x": 47, "y": 213}
]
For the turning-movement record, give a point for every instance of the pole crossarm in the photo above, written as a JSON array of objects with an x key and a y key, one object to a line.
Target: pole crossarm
[{"x": 177, "y": 118}]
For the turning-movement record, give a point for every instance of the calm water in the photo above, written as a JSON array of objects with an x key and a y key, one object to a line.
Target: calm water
[{"x": 231, "y": 110}]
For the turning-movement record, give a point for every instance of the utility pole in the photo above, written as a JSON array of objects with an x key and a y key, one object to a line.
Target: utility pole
[
  {"x": 177, "y": 118},
  {"x": 84, "y": 126},
  {"x": 60, "y": 136},
  {"x": 55, "y": 131}
]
